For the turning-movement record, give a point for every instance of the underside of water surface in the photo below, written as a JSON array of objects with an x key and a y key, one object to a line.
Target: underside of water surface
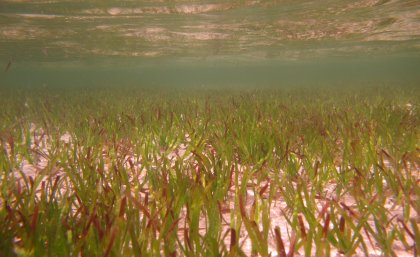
[{"x": 208, "y": 43}]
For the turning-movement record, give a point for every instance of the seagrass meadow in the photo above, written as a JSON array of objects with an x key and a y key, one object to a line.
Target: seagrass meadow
[
  {"x": 122, "y": 171},
  {"x": 204, "y": 128}
]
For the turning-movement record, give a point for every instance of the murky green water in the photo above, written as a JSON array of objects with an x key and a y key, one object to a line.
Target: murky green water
[{"x": 207, "y": 43}]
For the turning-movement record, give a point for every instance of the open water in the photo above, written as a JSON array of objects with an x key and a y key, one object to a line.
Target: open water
[{"x": 208, "y": 43}]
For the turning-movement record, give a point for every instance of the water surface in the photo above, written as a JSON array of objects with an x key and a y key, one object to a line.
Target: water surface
[{"x": 208, "y": 42}]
